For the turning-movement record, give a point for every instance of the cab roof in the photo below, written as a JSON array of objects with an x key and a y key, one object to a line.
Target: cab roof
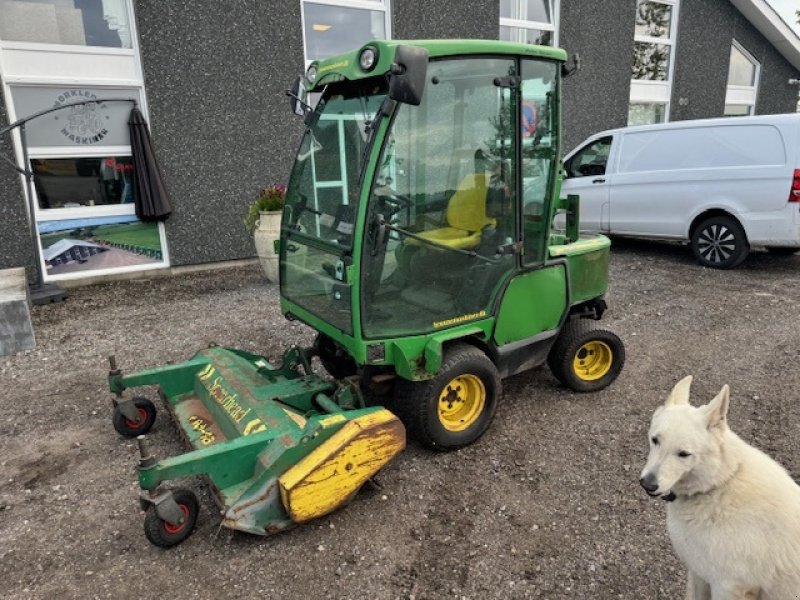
[{"x": 345, "y": 66}]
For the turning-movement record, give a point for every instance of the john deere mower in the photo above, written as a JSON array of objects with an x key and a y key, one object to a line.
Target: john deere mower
[{"x": 417, "y": 240}]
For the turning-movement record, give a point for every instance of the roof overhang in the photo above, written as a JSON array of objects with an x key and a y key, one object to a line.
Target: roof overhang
[{"x": 772, "y": 27}]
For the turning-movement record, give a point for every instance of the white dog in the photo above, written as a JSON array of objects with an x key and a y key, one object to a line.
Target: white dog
[{"x": 733, "y": 514}]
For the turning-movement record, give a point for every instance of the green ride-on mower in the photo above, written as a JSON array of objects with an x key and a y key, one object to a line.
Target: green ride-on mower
[{"x": 417, "y": 241}]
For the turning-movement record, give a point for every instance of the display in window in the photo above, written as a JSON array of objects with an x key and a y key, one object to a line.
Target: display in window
[
  {"x": 82, "y": 182},
  {"x": 100, "y": 243}
]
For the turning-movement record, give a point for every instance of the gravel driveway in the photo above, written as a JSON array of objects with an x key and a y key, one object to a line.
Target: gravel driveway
[{"x": 546, "y": 505}]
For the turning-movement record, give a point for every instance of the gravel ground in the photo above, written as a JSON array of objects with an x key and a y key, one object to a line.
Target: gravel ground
[{"x": 545, "y": 505}]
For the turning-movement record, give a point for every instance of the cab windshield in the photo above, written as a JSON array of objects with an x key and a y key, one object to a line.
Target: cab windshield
[
  {"x": 322, "y": 197},
  {"x": 322, "y": 201}
]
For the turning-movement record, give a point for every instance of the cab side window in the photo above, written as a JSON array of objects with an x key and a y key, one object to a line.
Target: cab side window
[{"x": 590, "y": 160}]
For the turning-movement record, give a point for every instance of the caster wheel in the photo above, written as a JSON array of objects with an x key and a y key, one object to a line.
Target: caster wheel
[
  {"x": 129, "y": 428},
  {"x": 163, "y": 534}
]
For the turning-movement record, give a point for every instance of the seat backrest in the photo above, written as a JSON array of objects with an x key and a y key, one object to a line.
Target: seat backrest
[{"x": 467, "y": 208}]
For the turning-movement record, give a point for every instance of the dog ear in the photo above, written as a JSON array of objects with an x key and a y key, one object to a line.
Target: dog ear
[
  {"x": 680, "y": 393},
  {"x": 717, "y": 410}
]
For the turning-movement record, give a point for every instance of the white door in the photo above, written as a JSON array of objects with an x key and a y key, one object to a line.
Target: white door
[{"x": 586, "y": 176}]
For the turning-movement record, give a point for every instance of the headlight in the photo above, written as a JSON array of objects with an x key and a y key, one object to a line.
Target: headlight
[
  {"x": 311, "y": 74},
  {"x": 368, "y": 58}
]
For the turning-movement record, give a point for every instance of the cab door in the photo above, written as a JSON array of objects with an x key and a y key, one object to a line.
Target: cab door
[
  {"x": 536, "y": 298},
  {"x": 444, "y": 199}
]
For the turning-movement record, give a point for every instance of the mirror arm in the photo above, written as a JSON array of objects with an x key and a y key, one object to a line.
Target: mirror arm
[{"x": 306, "y": 107}]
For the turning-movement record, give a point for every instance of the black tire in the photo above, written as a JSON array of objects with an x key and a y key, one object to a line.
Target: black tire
[
  {"x": 460, "y": 421},
  {"x": 720, "y": 243},
  {"x": 336, "y": 361},
  {"x": 585, "y": 357},
  {"x": 128, "y": 428},
  {"x": 781, "y": 250},
  {"x": 163, "y": 534}
]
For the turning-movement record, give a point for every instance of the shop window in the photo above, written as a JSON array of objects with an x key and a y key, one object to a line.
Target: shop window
[
  {"x": 334, "y": 26},
  {"x": 655, "y": 36},
  {"x": 83, "y": 182},
  {"x": 529, "y": 21},
  {"x": 104, "y": 23},
  {"x": 743, "y": 76}
]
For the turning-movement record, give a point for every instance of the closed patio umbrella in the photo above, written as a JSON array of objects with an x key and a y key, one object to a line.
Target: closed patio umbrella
[{"x": 150, "y": 193}]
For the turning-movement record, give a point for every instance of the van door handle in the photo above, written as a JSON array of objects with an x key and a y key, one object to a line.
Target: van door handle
[{"x": 598, "y": 180}]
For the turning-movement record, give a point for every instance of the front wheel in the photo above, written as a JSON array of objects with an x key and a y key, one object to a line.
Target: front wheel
[
  {"x": 131, "y": 428},
  {"x": 586, "y": 358},
  {"x": 164, "y": 534},
  {"x": 720, "y": 243},
  {"x": 457, "y": 406}
]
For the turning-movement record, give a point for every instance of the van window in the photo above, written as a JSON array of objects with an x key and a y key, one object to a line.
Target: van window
[
  {"x": 590, "y": 160},
  {"x": 701, "y": 148}
]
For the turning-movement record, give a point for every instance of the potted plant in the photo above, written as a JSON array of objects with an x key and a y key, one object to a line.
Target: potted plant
[{"x": 263, "y": 220}]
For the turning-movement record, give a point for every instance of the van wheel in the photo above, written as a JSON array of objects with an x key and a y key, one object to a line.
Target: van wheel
[{"x": 720, "y": 243}]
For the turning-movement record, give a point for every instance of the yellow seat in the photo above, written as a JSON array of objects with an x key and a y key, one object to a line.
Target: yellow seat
[{"x": 466, "y": 216}]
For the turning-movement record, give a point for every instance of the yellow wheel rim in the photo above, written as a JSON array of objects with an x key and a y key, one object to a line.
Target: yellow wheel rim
[
  {"x": 592, "y": 361},
  {"x": 461, "y": 402}
]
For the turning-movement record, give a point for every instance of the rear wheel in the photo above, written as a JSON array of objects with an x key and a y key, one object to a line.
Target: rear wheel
[
  {"x": 457, "y": 406},
  {"x": 720, "y": 243},
  {"x": 164, "y": 534},
  {"x": 585, "y": 357},
  {"x": 140, "y": 426}
]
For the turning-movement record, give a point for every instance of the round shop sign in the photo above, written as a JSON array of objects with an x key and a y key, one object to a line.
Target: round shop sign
[{"x": 85, "y": 124}]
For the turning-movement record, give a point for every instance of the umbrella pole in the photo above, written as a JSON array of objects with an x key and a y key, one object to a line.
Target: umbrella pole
[{"x": 40, "y": 292}]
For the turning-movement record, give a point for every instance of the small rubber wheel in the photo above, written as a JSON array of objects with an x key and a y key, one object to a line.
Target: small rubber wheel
[
  {"x": 164, "y": 534},
  {"x": 129, "y": 428},
  {"x": 720, "y": 243},
  {"x": 781, "y": 250},
  {"x": 454, "y": 408},
  {"x": 586, "y": 358},
  {"x": 336, "y": 360}
]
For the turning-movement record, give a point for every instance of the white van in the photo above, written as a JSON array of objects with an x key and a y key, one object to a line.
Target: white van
[{"x": 720, "y": 184}]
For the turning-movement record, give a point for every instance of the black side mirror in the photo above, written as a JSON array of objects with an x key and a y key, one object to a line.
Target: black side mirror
[
  {"x": 409, "y": 72},
  {"x": 297, "y": 98},
  {"x": 569, "y": 71}
]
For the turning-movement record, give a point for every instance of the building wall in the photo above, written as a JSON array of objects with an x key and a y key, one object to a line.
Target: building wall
[
  {"x": 596, "y": 98},
  {"x": 455, "y": 19},
  {"x": 215, "y": 77},
  {"x": 705, "y": 33},
  {"x": 16, "y": 247}
]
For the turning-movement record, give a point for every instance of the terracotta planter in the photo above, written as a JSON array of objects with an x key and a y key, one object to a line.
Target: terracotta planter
[{"x": 268, "y": 229}]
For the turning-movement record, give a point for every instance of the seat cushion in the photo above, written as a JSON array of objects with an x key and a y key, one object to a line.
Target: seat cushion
[{"x": 449, "y": 236}]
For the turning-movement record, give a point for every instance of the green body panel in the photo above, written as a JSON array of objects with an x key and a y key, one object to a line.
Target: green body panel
[
  {"x": 534, "y": 302},
  {"x": 246, "y": 422},
  {"x": 587, "y": 259},
  {"x": 345, "y": 66}
]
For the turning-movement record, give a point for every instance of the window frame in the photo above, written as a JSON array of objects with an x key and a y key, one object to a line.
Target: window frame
[
  {"x": 743, "y": 95},
  {"x": 645, "y": 91},
  {"x": 63, "y": 69},
  {"x": 555, "y": 11},
  {"x": 372, "y": 5}
]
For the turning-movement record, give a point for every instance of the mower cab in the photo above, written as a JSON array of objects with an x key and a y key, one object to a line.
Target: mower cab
[
  {"x": 417, "y": 241},
  {"x": 417, "y": 234}
]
